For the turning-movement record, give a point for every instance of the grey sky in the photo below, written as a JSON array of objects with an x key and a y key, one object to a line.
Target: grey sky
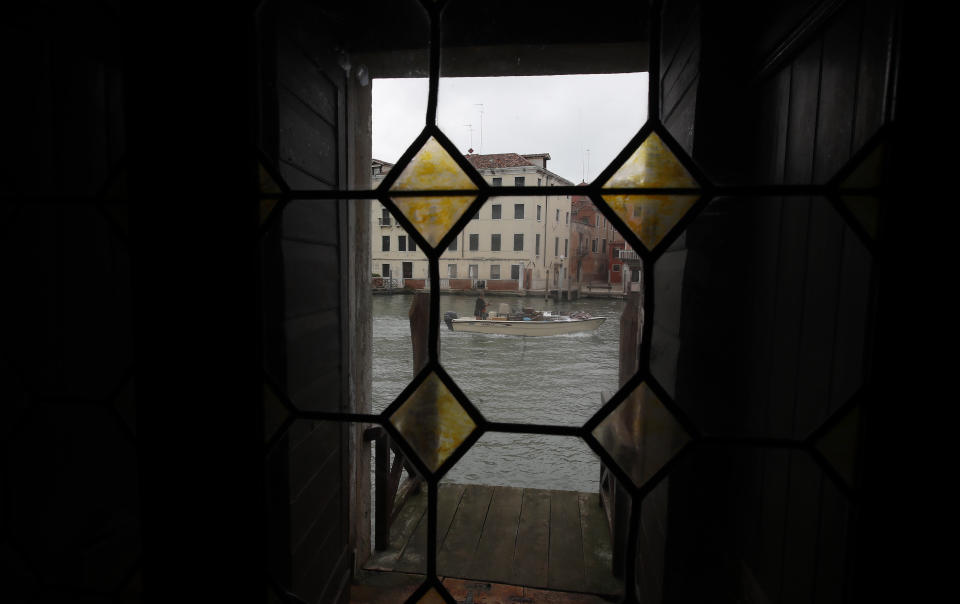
[{"x": 560, "y": 115}]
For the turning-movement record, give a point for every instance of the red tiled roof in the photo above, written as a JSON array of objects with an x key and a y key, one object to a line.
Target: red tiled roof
[{"x": 498, "y": 160}]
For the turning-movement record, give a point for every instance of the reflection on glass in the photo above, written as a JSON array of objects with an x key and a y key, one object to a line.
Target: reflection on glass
[
  {"x": 839, "y": 445},
  {"x": 433, "y": 422},
  {"x": 433, "y": 169},
  {"x": 651, "y": 165},
  {"x": 641, "y": 434}
]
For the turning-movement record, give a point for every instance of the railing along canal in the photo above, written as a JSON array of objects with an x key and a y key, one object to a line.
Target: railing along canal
[{"x": 389, "y": 492}]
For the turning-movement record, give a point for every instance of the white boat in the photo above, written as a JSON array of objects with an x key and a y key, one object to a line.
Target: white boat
[{"x": 526, "y": 323}]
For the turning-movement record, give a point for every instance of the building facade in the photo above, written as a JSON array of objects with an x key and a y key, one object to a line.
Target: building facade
[
  {"x": 599, "y": 249},
  {"x": 513, "y": 243}
]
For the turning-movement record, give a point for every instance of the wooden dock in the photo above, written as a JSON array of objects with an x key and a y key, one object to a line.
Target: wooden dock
[{"x": 556, "y": 540}]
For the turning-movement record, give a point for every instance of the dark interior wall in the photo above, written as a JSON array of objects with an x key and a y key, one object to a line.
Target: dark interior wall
[
  {"x": 69, "y": 504},
  {"x": 304, "y": 255},
  {"x": 791, "y": 345}
]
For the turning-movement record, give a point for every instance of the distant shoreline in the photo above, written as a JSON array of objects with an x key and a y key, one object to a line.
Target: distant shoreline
[{"x": 615, "y": 295}]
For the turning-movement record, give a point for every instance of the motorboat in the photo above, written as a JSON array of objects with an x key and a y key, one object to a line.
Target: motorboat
[{"x": 525, "y": 322}]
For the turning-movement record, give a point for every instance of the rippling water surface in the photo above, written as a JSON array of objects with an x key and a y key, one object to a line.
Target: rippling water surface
[{"x": 542, "y": 380}]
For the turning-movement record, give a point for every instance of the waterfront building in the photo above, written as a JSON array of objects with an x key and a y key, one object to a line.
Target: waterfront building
[
  {"x": 599, "y": 250},
  {"x": 514, "y": 243}
]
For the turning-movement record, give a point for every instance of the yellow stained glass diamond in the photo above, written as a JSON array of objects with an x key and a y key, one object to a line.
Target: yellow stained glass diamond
[
  {"x": 433, "y": 422},
  {"x": 651, "y": 216},
  {"x": 432, "y": 597},
  {"x": 267, "y": 185},
  {"x": 869, "y": 173},
  {"x": 433, "y": 169},
  {"x": 839, "y": 445},
  {"x": 641, "y": 434}
]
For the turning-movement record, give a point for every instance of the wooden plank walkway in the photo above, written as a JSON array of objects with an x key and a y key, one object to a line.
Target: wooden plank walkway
[{"x": 555, "y": 540}]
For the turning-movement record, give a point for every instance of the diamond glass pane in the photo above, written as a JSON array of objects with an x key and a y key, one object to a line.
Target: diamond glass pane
[
  {"x": 641, "y": 434},
  {"x": 433, "y": 422},
  {"x": 866, "y": 209},
  {"x": 266, "y": 206},
  {"x": 651, "y": 165},
  {"x": 868, "y": 173},
  {"x": 267, "y": 185},
  {"x": 650, "y": 217},
  {"x": 432, "y": 597},
  {"x": 839, "y": 445},
  {"x": 433, "y": 169}
]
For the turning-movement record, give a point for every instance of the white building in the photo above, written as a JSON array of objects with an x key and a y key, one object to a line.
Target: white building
[{"x": 516, "y": 243}]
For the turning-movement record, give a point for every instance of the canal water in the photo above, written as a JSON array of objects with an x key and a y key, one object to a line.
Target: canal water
[{"x": 540, "y": 380}]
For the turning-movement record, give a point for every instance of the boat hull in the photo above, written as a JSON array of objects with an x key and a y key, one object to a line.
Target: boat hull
[{"x": 526, "y": 328}]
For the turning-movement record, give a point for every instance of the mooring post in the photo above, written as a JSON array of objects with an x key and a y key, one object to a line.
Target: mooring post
[{"x": 427, "y": 434}]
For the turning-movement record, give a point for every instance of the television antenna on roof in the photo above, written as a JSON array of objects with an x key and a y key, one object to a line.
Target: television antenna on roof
[
  {"x": 480, "y": 105},
  {"x": 470, "y": 126}
]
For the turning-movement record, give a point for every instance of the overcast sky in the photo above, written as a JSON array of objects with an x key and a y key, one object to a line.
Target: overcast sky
[{"x": 560, "y": 115}]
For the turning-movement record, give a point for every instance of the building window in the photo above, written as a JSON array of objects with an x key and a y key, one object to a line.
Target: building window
[
  {"x": 495, "y": 243},
  {"x": 496, "y": 211},
  {"x": 566, "y": 244},
  {"x": 519, "y": 180},
  {"x": 515, "y": 272},
  {"x": 408, "y": 270},
  {"x": 497, "y": 181},
  {"x": 452, "y": 271},
  {"x": 603, "y": 250},
  {"x": 518, "y": 211},
  {"x": 385, "y": 217},
  {"x": 556, "y": 246},
  {"x": 538, "y": 182},
  {"x": 518, "y": 242},
  {"x": 476, "y": 215},
  {"x": 594, "y": 246},
  {"x": 538, "y": 213},
  {"x": 558, "y": 216},
  {"x": 474, "y": 242},
  {"x": 385, "y": 243},
  {"x": 413, "y": 245},
  {"x": 453, "y": 245},
  {"x": 494, "y": 271},
  {"x": 536, "y": 251},
  {"x": 473, "y": 271},
  {"x": 616, "y": 268},
  {"x": 598, "y": 221},
  {"x": 567, "y": 220},
  {"x": 402, "y": 243}
]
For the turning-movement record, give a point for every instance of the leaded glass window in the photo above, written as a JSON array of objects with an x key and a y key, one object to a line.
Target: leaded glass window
[{"x": 651, "y": 427}]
